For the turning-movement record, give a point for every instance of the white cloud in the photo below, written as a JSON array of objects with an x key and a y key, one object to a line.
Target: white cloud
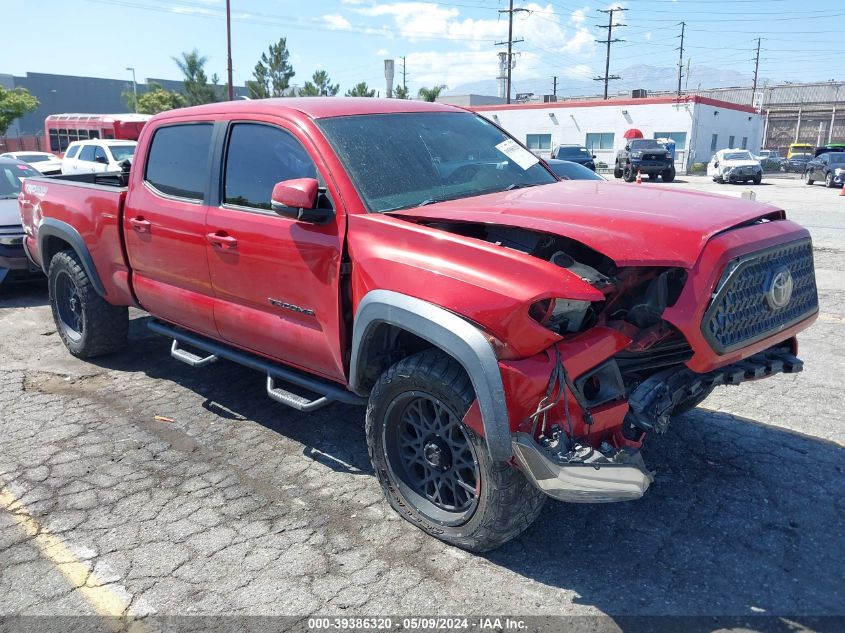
[
  {"x": 382, "y": 52},
  {"x": 337, "y": 22},
  {"x": 579, "y": 71},
  {"x": 579, "y": 16},
  {"x": 648, "y": 36}
]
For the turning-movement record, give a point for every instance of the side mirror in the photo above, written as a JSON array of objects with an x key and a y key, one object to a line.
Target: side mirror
[
  {"x": 627, "y": 148},
  {"x": 101, "y": 159},
  {"x": 716, "y": 164},
  {"x": 594, "y": 155},
  {"x": 297, "y": 199}
]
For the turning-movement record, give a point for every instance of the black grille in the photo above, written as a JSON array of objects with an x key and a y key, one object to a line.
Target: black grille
[{"x": 741, "y": 312}]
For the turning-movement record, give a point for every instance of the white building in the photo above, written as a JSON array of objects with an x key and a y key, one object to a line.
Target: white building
[{"x": 700, "y": 126}]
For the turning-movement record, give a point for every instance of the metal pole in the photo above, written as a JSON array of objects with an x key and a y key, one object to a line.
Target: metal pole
[
  {"x": 832, "y": 122},
  {"x": 510, "y": 46},
  {"x": 231, "y": 87},
  {"x": 134, "y": 88},
  {"x": 681, "y": 59},
  {"x": 756, "y": 68},
  {"x": 554, "y": 88}
]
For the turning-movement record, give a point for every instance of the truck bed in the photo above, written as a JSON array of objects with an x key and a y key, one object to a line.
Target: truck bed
[{"x": 85, "y": 211}]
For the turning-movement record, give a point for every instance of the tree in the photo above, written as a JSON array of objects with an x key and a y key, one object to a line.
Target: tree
[
  {"x": 128, "y": 96},
  {"x": 272, "y": 73},
  {"x": 322, "y": 86},
  {"x": 197, "y": 88},
  {"x": 431, "y": 94},
  {"x": 361, "y": 90},
  {"x": 402, "y": 92},
  {"x": 13, "y": 105},
  {"x": 157, "y": 99}
]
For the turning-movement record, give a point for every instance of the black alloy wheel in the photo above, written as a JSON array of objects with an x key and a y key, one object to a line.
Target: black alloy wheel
[{"x": 431, "y": 458}]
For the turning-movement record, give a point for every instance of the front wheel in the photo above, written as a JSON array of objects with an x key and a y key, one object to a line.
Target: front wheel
[
  {"x": 807, "y": 178},
  {"x": 668, "y": 175},
  {"x": 435, "y": 471},
  {"x": 86, "y": 323},
  {"x": 758, "y": 179},
  {"x": 628, "y": 174},
  {"x": 828, "y": 180}
]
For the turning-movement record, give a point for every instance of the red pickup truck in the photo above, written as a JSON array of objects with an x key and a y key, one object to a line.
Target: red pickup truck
[{"x": 513, "y": 336}]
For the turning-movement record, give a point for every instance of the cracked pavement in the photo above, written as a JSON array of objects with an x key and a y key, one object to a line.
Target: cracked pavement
[{"x": 242, "y": 506}]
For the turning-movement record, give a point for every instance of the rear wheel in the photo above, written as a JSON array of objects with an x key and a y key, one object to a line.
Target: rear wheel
[
  {"x": 617, "y": 171},
  {"x": 86, "y": 323},
  {"x": 435, "y": 471}
]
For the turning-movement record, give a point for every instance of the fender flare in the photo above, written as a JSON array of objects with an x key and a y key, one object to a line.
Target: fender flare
[
  {"x": 50, "y": 227},
  {"x": 459, "y": 338}
]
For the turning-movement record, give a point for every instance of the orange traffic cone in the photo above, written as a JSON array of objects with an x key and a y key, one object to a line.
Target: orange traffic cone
[
  {"x": 842, "y": 190},
  {"x": 639, "y": 178}
]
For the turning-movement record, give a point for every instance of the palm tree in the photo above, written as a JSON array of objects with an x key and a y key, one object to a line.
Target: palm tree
[{"x": 431, "y": 94}]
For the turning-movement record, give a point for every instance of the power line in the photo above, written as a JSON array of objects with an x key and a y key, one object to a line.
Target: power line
[
  {"x": 607, "y": 76},
  {"x": 510, "y": 11}
]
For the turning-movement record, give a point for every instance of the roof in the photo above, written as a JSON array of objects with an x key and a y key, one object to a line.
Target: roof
[
  {"x": 595, "y": 103},
  {"x": 319, "y": 107},
  {"x": 102, "y": 141}
]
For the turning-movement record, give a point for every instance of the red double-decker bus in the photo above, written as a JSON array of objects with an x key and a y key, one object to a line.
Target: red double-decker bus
[{"x": 63, "y": 129}]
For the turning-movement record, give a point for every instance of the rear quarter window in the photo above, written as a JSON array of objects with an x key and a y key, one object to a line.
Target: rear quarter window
[{"x": 177, "y": 163}]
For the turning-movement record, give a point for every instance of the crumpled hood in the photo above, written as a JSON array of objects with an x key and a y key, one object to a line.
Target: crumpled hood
[
  {"x": 9, "y": 213},
  {"x": 633, "y": 225}
]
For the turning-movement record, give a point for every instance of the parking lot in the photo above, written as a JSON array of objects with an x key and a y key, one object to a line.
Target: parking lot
[{"x": 136, "y": 485}]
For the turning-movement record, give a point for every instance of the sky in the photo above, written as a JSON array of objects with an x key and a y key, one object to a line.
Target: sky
[{"x": 446, "y": 42}]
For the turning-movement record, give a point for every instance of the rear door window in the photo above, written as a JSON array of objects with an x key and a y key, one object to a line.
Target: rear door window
[
  {"x": 73, "y": 151},
  {"x": 258, "y": 157},
  {"x": 177, "y": 163}
]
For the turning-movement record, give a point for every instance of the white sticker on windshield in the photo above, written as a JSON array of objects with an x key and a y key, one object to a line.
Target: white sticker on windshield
[{"x": 517, "y": 153}]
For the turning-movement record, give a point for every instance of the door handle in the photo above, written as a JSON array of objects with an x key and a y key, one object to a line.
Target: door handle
[
  {"x": 140, "y": 224},
  {"x": 222, "y": 240}
]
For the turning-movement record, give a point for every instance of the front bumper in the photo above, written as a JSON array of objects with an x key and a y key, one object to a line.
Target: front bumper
[{"x": 650, "y": 166}]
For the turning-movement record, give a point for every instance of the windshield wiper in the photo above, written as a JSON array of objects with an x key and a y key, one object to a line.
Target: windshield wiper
[
  {"x": 429, "y": 201},
  {"x": 521, "y": 185}
]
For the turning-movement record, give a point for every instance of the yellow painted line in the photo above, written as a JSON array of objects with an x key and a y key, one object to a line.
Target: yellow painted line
[
  {"x": 831, "y": 318},
  {"x": 105, "y": 600}
]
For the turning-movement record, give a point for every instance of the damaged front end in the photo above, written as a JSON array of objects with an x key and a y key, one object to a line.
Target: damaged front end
[{"x": 582, "y": 408}]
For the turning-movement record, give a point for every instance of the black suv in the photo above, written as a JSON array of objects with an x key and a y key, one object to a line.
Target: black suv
[
  {"x": 647, "y": 156},
  {"x": 575, "y": 154}
]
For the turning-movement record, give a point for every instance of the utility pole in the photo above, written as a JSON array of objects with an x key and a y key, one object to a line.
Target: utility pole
[
  {"x": 681, "y": 59},
  {"x": 756, "y": 68},
  {"x": 231, "y": 87},
  {"x": 404, "y": 83},
  {"x": 609, "y": 26},
  {"x": 554, "y": 86},
  {"x": 134, "y": 87},
  {"x": 510, "y": 11}
]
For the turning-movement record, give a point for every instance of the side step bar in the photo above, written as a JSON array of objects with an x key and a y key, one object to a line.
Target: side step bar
[{"x": 329, "y": 392}]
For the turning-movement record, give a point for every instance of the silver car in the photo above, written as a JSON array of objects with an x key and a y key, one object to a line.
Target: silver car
[{"x": 13, "y": 260}]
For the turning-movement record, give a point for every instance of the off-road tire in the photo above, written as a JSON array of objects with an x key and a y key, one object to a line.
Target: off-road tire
[
  {"x": 692, "y": 403},
  {"x": 807, "y": 178},
  {"x": 617, "y": 171},
  {"x": 757, "y": 179},
  {"x": 103, "y": 327},
  {"x": 507, "y": 503},
  {"x": 668, "y": 175},
  {"x": 628, "y": 174}
]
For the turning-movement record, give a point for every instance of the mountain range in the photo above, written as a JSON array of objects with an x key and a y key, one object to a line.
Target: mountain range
[{"x": 651, "y": 78}]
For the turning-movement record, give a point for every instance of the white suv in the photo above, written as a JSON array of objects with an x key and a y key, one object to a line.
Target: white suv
[{"x": 86, "y": 157}]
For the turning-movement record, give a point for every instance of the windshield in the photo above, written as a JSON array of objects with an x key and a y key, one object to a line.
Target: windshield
[
  {"x": 645, "y": 143},
  {"x": 397, "y": 161},
  {"x": 573, "y": 152},
  {"x": 34, "y": 158},
  {"x": 572, "y": 171},
  {"x": 122, "y": 152},
  {"x": 738, "y": 156},
  {"x": 11, "y": 175}
]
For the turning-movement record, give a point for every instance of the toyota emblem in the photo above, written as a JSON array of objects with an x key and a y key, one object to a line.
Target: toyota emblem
[{"x": 780, "y": 289}]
